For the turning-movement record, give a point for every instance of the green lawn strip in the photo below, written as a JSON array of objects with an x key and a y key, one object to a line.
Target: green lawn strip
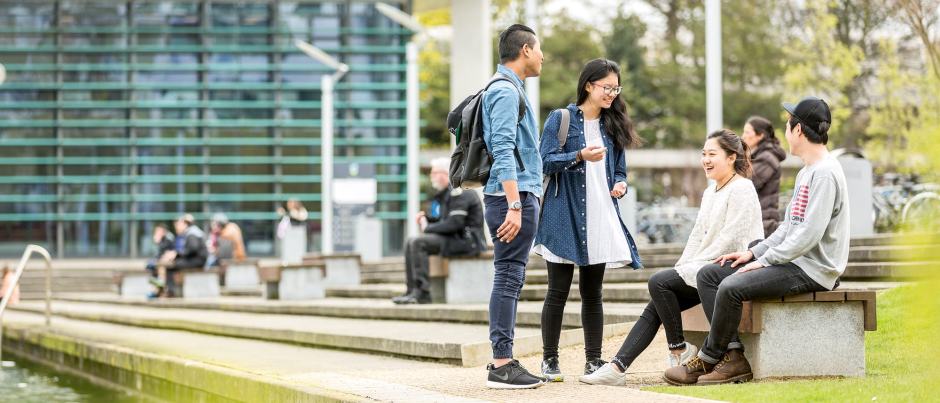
[{"x": 901, "y": 361}]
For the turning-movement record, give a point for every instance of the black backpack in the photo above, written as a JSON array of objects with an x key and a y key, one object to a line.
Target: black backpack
[{"x": 471, "y": 161}]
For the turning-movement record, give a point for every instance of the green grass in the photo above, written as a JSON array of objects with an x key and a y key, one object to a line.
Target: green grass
[{"x": 901, "y": 360}]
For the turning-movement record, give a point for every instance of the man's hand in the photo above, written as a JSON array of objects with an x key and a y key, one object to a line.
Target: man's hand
[
  {"x": 593, "y": 153},
  {"x": 619, "y": 190},
  {"x": 736, "y": 258},
  {"x": 749, "y": 267},
  {"x": 510, "y": 227}
]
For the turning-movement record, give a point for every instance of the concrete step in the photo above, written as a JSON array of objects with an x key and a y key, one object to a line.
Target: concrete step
[
  {"x": 379, "y": 291},
  {"x": 529, "y": 312},
  {"x": 463, "y": 344},
  {"x": 622, "y": 292}
]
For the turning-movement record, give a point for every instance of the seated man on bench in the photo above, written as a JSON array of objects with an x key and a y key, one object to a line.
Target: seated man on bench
[
  {"x": 452, "y": 227},
  {"x": 191, "y": 252},
  {"x": 807, "y": 253}
]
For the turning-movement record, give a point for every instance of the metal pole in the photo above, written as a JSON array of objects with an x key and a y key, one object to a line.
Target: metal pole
[
  {"x": 532, "y": 83},
  {"x": 411, "y": 132},
  {"x": 326, "y": 164},
  {"x": 713, "y": 96}
]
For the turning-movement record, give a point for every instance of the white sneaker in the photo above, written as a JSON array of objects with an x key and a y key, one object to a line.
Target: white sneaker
[
  {"x": 605, "y": 375},
  {"x": 690, "y": 351}
]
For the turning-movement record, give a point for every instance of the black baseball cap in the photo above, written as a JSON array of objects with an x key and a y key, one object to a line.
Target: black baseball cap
[{"x": 811, "y": 112}]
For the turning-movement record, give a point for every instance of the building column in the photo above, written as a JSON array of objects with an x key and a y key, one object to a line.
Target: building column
[{"x": 471, "y": 50}]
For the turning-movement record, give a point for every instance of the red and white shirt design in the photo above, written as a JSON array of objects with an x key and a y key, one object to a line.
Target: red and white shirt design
[{"x": 798, "y": 207}]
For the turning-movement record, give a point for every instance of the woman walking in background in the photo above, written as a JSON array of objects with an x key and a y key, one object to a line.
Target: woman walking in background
[
  {"x": 766, "y": 156},
  {"x": 580, "y": 223}
]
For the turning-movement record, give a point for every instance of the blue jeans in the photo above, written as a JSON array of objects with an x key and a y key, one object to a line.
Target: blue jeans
[{"x": 509, "y": 261}]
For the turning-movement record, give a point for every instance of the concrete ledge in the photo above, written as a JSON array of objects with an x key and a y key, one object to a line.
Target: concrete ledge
[
  {"x": 242, "y": 275},
  {"x": 201, "y": 284},
  {"x": 134, "y": 285},
  {"x": 159, "y": 375},
  {"x": 469, "y": 279}
]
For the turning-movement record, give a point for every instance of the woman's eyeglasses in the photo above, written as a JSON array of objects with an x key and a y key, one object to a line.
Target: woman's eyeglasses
[{"x": 610, "y": 90}]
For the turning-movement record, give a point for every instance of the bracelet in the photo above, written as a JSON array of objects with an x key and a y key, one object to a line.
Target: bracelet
[{"x": 578, "y": 156}]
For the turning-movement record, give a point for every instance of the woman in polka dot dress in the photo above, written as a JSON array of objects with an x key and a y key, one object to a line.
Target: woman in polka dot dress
[{"x": 580, "y": 223}]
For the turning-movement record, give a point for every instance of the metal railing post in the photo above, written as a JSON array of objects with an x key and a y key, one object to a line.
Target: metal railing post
[{"x": 7, "y": 293}]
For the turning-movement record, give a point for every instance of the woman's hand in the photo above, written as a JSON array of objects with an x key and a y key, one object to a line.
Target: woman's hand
[
  {"x": 736, "y": 258},
  {"x": 593, "y": 153},
  {"x": 619, "y": 190}
]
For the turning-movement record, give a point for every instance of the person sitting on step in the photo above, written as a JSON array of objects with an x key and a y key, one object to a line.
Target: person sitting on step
[{"x": 453, "y": 226}]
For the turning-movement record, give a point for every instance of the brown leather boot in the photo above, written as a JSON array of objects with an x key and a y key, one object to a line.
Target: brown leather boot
[
  {"x": 688, "y": 373},
  {"x": 732, "y": 368}
]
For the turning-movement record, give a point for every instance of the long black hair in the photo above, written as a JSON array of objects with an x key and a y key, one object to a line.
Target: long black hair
[{"x": 616, "y": 119}]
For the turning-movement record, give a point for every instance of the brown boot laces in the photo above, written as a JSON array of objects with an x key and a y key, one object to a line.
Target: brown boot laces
[
  {"x": 724, "y": 360},
  {"x": 695, "y": 363}
]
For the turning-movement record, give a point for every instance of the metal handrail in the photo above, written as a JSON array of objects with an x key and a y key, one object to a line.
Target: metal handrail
[{"x": 30, "y": 249}]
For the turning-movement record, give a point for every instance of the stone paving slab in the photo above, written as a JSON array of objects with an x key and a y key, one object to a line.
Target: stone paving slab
[
  {"x": 367, "y": 377},
  {"x": 529, "y": 312}
]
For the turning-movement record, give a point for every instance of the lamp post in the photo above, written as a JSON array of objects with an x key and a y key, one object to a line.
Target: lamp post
[
  {"x": 412, "y": 114},
  {"x": 713, "y": 95},
  {"x": 326, "y": 139}
]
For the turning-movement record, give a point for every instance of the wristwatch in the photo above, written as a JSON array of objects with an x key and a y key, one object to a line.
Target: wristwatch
[{"x": 516, "y": 205}]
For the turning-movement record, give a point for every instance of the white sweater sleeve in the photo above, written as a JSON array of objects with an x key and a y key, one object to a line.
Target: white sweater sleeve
[{"x": 695, "y": 237}]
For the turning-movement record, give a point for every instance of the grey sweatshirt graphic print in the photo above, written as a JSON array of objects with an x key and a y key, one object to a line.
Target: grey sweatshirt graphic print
[{"x": 815, "y": 232}]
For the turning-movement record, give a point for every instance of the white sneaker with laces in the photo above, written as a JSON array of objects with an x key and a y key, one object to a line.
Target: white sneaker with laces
[
  {"x": 605, "y": 375},
  {"x": 690, "y": 351}
]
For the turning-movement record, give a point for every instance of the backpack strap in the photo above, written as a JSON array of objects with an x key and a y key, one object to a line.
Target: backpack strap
[
  {"x": 563, "y": 129},
  {"x": 501, "y": 77}
]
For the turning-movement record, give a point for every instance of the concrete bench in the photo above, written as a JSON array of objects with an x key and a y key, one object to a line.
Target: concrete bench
[
  {"x": 813, "y": 334},
  {"x": 239, "y": 275},
  {"x": 293, "y": 281},
  {"x": 342, "y": 269},
  {"x": 133, "y": 284},
  {"x": 198, "y": 283},
  {"x": 461, "y": 279}
]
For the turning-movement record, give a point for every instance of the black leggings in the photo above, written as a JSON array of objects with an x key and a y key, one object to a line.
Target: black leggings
[
  {"x": 669, "y": 295},
  {"x": 590, "y": 283}
]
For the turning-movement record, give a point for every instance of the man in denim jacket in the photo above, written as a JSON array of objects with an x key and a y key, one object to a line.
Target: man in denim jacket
[{"x": 511, "y": 196}]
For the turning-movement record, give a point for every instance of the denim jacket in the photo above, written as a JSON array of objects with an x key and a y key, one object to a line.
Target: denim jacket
[
  {"x": 503, "y": 133},
  {"x": 563, "y": 225}
]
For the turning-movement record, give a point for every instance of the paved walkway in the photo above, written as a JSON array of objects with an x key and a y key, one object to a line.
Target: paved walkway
[{"x": 367, "y": 375}]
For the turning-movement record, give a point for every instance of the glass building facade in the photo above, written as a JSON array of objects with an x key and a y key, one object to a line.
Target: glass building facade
[{"x": 119, "y": 115}]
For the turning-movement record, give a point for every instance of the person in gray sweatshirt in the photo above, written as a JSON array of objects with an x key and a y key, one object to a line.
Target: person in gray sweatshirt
[{"x": 807, "y": 253}]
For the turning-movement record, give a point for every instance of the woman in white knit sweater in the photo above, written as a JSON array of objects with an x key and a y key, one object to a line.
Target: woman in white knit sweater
[{"x": 729, "y": 218}]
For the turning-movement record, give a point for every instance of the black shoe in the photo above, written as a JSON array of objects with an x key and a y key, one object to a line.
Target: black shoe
[
  {"x": 423, "y": 298},
  {"x": 512, "y": 376},
  {"x": 550, "y": 370},
  {"x": 593, "y": 365}
]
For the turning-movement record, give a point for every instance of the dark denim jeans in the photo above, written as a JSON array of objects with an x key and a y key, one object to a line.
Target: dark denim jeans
[
  {"x": 509, "y": 262},
  {"x": 722, "y": 292},
  {"x": 669, "y": 296}
]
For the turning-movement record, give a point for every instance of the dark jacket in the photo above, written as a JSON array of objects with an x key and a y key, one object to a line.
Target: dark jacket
[
  {"x": 166, "y": 244},
  {"x": 457, "y": 215},
  {"x": 765, "y": 160},
  {"x": 191, "y": 251},
  {"x": 564, "y": 204}
]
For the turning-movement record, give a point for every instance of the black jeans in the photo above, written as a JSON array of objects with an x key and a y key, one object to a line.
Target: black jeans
[
  {"x": 722, "y": 293},
  {"x": 669, "y": 296},
  {"x": 509, "y": 261},
  {"x": 417, "y": 251},
  {"x": 590, "y": 285}
]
